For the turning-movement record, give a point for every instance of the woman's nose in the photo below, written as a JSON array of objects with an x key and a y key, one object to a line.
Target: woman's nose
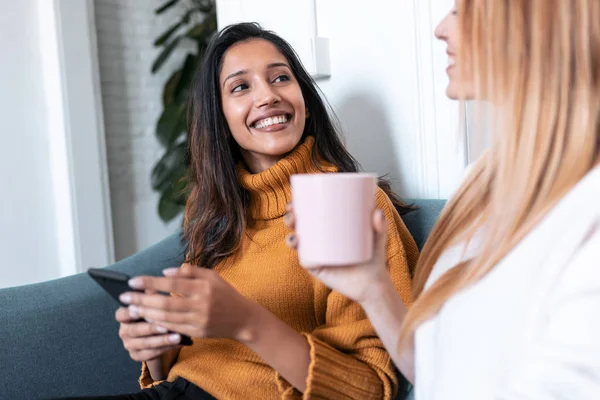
[
  {"x": 265, "y": 95},
  {"x": 440, "y": 30}
]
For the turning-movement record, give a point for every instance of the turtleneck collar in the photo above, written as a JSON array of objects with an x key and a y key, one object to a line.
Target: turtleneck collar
[{"x": 270, "y": 190}]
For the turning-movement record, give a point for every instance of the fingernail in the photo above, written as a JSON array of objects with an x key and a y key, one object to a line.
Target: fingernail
[
  {"x": 135, "y": 283},
  {"x": 380, "y": 214},
  {"x": 291, "y": 238},
  {"x": 125, "y": 298},
  {"x": 174, "y": 338},
  {"x": 133, "y": 311},
  {"x": 170, "y": 271},
  {"x": 161, "y": 329}
]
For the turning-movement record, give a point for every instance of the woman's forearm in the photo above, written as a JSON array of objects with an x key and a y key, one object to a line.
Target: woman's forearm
[
  {"x": 386, "y": 311},
  {"x": 160, "y": 366},
  {"x": 280, "y": 346}
]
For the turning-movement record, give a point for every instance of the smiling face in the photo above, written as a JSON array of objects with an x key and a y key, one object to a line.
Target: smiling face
[
  {"x": 447, "y": 31},
  {"x": 262, "y": 102}
]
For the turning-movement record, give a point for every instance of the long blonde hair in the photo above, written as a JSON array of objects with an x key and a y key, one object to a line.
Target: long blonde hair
[{"x": 538, "y": 63}]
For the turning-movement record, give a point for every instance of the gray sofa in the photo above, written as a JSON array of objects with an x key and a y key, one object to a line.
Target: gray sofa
[{"x": 59, "y": 338}]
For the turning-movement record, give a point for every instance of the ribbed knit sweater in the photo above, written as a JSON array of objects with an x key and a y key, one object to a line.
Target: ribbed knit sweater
[{"x": 348, "y": 360}]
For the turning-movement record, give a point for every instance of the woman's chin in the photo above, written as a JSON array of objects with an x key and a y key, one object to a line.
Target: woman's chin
[
  {"x": 281, "y": 146},
  {"x": 452, "y": 92}
]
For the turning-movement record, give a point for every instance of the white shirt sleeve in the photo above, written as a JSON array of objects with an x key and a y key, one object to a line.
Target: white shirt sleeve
[{"x": 564, "y": 362}]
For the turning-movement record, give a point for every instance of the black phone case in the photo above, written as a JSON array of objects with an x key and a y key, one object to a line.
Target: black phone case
[{"x": 115, "y": 284}]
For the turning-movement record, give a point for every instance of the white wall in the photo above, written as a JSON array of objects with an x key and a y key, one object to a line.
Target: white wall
[
  {"x": 50, "y": 158},
  {"x": 27, "y": 226},
  {"x": 82, "y": 130},
  {"x": 131, "y": 98},
  {"x": 387, "y": 82}
]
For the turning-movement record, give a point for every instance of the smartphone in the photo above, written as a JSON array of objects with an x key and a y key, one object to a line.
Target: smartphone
[{"x": 115, "y": 284}]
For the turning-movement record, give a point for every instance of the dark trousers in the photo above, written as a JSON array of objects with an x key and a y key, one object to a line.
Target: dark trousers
[{"x": 180, "y": 389}]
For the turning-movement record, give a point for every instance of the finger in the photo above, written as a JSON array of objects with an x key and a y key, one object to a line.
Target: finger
[
  {"x": 289, "y": 207},
  {"x": 290, "y": 220},
  {"x": 380, "y": 227},
  {"x": 122, "y": 315},
  {"x": 140, "y": 329},
  {"x": 160, "y": 316},
  {"x": 315, "y": 270},
  {"x": 151, "y": 354},
  {"x": 152, "y": 342},
  {"x": 292, "y": 241},
  {"x": 160, "y": 301},
  {"x": 185, "y": 329},
  {"x": 164, "y": 284}
]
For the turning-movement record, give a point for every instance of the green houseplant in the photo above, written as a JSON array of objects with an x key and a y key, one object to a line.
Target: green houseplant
[{"x": 196, "y": 26}]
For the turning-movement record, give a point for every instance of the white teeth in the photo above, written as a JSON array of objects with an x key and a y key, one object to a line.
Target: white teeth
[
  {"x": 263, "y": 123},
  {"x": 451, "y": 60}
]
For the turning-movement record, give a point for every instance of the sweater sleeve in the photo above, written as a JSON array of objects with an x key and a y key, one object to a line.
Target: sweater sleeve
[
  {"x": 563, "y": 360},
  {"x": 348, "y": 360},
  {"x": 145, "y": 379}
]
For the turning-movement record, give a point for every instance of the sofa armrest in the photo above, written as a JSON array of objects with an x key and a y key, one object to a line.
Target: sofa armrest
[{"x": 59, "y": 338}]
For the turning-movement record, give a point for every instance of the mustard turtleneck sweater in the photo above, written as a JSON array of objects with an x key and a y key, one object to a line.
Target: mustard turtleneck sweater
[{"x": 347, "y": 358}]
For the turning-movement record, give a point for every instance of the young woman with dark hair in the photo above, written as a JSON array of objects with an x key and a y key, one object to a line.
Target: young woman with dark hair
[{"x": 262, "y": 327}]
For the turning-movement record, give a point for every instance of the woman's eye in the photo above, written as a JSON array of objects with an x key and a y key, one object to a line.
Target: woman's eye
[
  {"x": 282, "y": 78},
  {"x": 239, "y": 88}
]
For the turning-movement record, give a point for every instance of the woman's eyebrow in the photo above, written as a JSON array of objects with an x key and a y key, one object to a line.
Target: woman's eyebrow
[
  {"x": 242, "y": 72},
  {"x": 278, "y": 64}
]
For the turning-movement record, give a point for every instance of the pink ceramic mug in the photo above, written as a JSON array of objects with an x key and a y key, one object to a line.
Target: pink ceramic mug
[{"x": 334, "y": 214}]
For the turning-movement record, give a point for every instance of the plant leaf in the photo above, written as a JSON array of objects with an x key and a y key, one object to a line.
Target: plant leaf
[
  {"x": 196, "y": 32},
  {"x": 166, "y": 6},
  {"x": 169, "y": 175},
  {"x": 164, "y": 55},
  {"x": 172, "y": 200},
  {"x": 171, "y": 167},
  {"x": 167, "y": 209},
  {"x": 204, "y": 30},
  {"x": 206, "y": 6},
  {"x": 169, "y": 89},
  {"x": 162, "y": 39},
  {"x": 187, "y": 76},
  {"x": 170, "y": 125}
]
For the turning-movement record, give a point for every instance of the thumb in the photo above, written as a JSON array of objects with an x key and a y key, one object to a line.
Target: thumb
[{"x": 380, "y": 227}]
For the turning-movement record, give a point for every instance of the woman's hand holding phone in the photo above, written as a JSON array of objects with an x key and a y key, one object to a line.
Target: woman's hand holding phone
[
  {"x": 205, "y": 304},
  {"x": 143, "y": 340}
]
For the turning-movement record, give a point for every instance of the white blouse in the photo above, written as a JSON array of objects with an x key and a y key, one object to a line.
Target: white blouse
[{"x": 530, "y": 329}]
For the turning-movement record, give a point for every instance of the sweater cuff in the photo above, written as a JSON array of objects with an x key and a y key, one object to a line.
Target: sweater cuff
[
  {"x": 146, "y": 380},
  {"x": 331, "y": 376}
]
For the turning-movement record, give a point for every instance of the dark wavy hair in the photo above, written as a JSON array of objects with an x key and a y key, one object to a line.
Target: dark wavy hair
[{"x": 216, "y": 211}]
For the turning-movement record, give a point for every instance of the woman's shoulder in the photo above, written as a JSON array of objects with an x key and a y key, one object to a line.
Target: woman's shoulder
[
  {"x": 383, "y": 201},
  {"x": 391, "y": 208},
  {"x": 399, "y": 235},
  {"x": 581, "y": 202}
]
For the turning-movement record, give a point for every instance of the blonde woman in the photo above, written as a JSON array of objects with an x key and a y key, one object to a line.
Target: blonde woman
[{"x": 507, "y": 289}]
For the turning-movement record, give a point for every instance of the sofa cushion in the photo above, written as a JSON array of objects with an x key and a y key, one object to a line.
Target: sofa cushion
[{"x": 59, "y": 338}]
